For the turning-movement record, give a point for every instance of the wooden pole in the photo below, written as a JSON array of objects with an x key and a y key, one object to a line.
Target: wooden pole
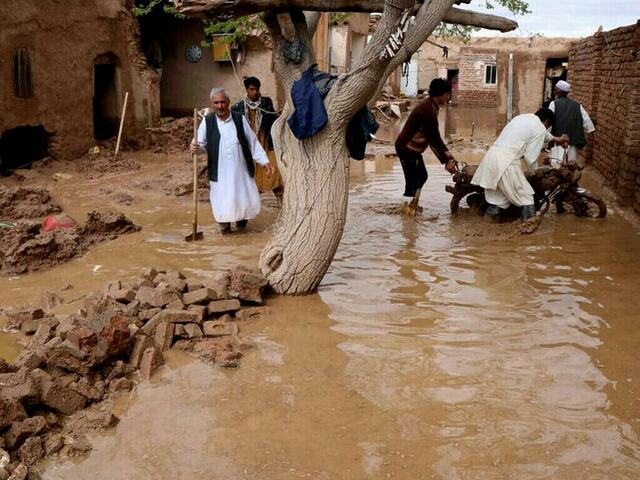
[
  {"x": 124, "y": 111},
  {"x": 195, "y": 175}
]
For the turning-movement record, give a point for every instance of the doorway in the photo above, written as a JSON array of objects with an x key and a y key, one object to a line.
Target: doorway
[
  {"x": 105, "y": 101},
  {"x": 555, "y": 70},
  {"x": 21, "y": 146},
  {"x": 452, "y": 78}
]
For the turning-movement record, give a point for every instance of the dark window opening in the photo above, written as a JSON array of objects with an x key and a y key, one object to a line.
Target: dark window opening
[
  {"x": 21, "y": 146},
  {"x": 21, "y": 69},
  {"x": 105, "y": 101},
  {"x": 490, "y": 74}
]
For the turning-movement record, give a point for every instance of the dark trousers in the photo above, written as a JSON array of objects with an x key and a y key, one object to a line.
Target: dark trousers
[{"x": 415, "y": 173}]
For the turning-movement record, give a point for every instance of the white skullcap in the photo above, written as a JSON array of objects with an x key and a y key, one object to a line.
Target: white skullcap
[{"x": 563, "y": 86}]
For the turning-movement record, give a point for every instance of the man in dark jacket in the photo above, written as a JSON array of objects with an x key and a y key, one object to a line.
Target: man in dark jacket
[
  {"x": 260, "y": 114},
  {"x": 419, "y": 132},
  {"x": 571, "y": 119}
]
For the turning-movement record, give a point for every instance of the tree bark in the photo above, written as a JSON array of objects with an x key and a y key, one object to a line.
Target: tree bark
[
  {"x": 235, "y": 8},
  {"x": 314, "y": 211},
  {"x": 316, "y": 177}
]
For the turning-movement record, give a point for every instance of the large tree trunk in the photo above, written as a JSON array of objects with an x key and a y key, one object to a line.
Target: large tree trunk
[
  {"x": 316, "y": 170},
  {"x": 316, "y": 177},
  {"x": 309, "y": 229}
]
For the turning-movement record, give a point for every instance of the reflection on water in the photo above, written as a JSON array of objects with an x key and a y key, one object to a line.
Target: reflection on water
[{"x": 427, "y": 353}]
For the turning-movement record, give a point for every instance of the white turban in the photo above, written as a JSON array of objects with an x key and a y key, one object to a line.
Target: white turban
[{"x": 563, "y": 86}]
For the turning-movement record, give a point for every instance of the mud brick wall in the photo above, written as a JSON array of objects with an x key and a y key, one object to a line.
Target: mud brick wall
[
  {"x": 64, "y": 42},
  {"x": 472, "y": 89},
  {"x": 604, "y": 71},
  {"x": 477, "y": 98}
]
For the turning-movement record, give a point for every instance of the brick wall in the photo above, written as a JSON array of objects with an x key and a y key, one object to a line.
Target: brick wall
[
  {"x": 472, "y": 89},
  {"x": 604, "y": 72},
  {"x": 477, "y": 98}
]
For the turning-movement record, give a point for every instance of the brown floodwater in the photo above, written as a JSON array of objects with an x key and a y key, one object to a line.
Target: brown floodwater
[{"x": 429, "y": 351}]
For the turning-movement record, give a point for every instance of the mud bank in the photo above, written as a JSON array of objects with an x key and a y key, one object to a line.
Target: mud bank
[
  {"x": 172, "y": 137},
  {"x": 64, "y": 382},
  {"x": 26, "y": 203},
  {"x": 177, "y": 180},
  {"x": 27, "y": 247}
]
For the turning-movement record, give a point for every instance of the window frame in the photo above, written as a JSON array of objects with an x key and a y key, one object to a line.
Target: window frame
[
  {"x": 22, "y": 73},
  {"x": 490, "y": 74}
]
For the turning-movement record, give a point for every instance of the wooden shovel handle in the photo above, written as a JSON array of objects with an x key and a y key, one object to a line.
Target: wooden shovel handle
[{"x": 195, "y": 174}]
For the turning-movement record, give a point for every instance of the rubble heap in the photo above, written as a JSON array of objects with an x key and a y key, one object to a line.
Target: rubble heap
[
  {"x": 172, "y": 137},
  {"x": 25, "y": 247},
  {"x": 100, "y": 162},
  {"x": 61, "y": 383}
]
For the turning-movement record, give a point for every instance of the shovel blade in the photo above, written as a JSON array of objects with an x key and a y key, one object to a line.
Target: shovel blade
[{"x": 192, "y": 238}]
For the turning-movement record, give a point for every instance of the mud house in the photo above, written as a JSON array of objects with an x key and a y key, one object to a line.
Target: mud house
[
  {"x": 64, "y": 72},
  {"x": 513, "y": 75},
  {"x": 604, "y": 71},
  {"x": 493, "y": 78},
  {"x": 348, "y": 39}
]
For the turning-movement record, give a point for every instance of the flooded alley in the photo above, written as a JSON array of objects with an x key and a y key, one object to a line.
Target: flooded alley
[{"x": 433, "y": 349}]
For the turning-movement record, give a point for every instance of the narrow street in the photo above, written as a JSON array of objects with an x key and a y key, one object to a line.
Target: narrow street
[{"x": 436, "y": 347}]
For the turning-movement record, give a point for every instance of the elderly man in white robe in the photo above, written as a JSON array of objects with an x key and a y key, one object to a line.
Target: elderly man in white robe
[
  {"x": 231, "y": 148},
  {"x": 500, "y": 172},
  {"x": 572, "y": 119}
]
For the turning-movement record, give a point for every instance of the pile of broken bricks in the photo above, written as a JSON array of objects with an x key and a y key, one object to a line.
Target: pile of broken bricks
[{"x": 74, "y": 364}]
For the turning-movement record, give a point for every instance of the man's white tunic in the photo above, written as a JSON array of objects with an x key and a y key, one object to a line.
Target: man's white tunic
[
  {"x": 500, "y": 172},
  {"x": 234, "y": 196}
]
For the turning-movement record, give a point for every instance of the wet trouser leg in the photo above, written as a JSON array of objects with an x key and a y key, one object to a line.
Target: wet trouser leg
[
  {"x": 493, "y": 211},
  {"x": 415, "y": 172},
  {"x": 528, "y": 211}
]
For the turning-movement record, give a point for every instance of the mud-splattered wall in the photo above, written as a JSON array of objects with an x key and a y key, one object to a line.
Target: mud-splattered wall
[
  {"x": 604, "y": 71},
  {"x": 65, "y": 67}
]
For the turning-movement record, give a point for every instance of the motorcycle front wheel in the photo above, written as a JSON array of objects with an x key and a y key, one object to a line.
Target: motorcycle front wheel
[{"x": 584, "y": 204}]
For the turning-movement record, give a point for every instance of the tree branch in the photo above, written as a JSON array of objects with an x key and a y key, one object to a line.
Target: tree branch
[
  {"x": 457, "y": 16},
  {"x": 237, "y": 8},
  {"x": 357, "y": 87}
]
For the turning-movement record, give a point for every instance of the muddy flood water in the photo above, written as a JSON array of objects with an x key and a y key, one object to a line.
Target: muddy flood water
[{"x": 433, "y": 349}]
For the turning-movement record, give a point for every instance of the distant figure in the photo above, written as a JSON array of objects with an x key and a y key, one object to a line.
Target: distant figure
[
  {"x": 500, "y": 172},
  {"x": 260, "y": 114},
  {"x": 231, "y": 148},
  {"x": 571, "y": 119},
  {"x": 419, "y": 132}
]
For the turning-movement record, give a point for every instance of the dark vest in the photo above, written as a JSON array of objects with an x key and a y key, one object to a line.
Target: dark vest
[
  {"x": 213, "y": 145},
  {"x": 569, "y": 120}
]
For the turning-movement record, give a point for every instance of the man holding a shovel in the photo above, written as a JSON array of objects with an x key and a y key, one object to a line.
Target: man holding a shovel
[
  {"x": 231, "y": 148},
  {"x": 419, "y": 132}
]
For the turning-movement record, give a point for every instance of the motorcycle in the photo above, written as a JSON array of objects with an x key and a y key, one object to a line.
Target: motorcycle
[{"x": 552, "y": 185}]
